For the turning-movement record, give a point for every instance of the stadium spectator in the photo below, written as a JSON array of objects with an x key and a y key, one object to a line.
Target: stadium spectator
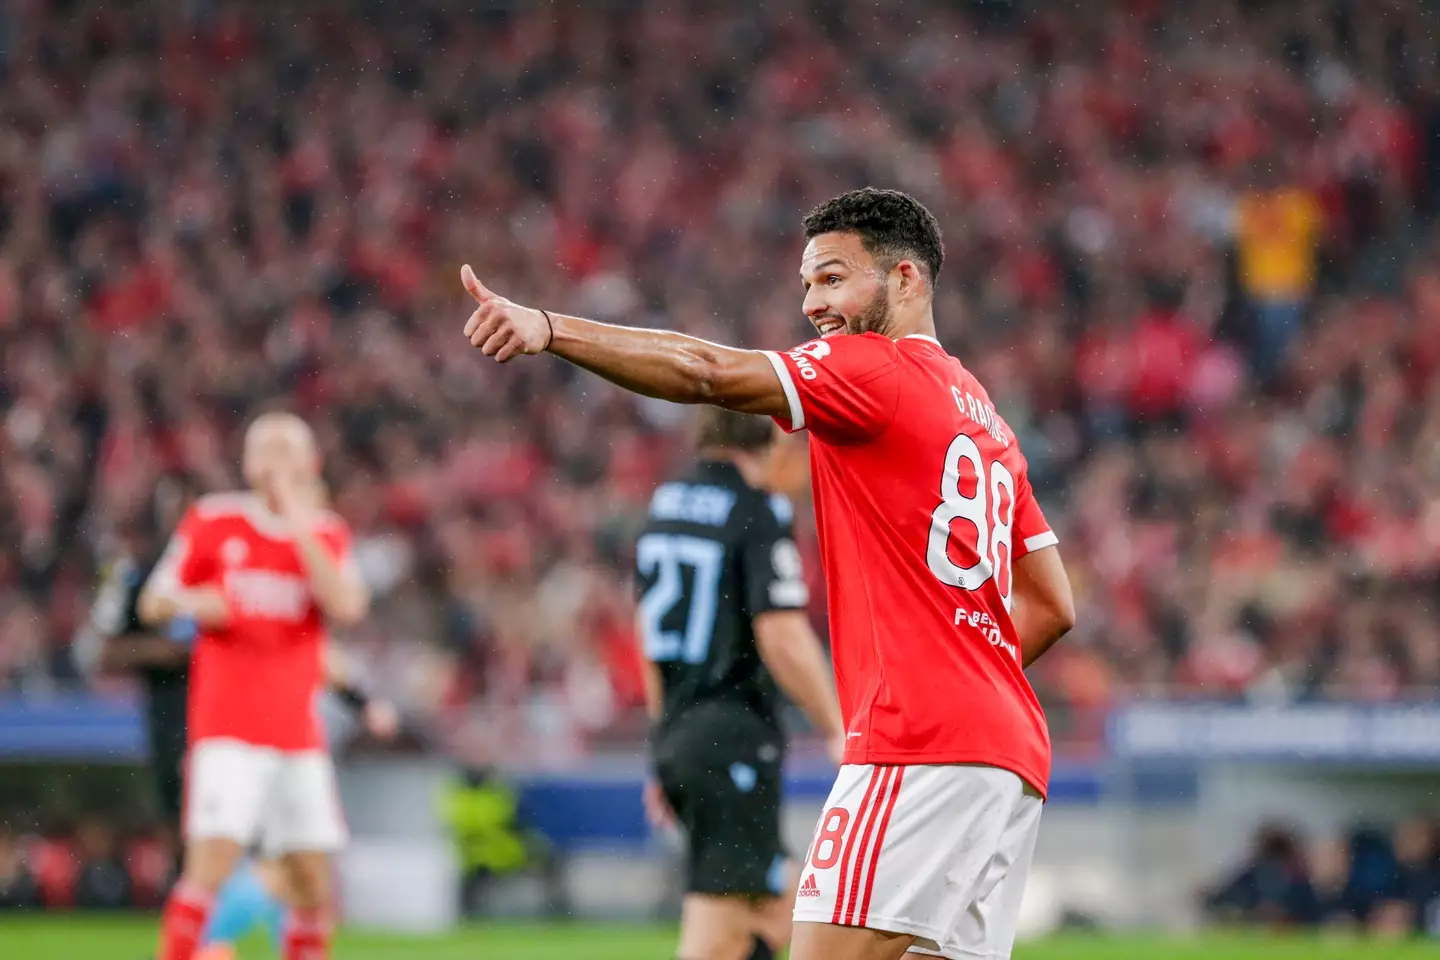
[
  {"x": 1277, "y": 235},
  {"x": 102, "y": 883},
  {"x": 204, "y": 211},
  {"x": 1417, "y": 846},
  {"x": 1271, "y": 888},
  {"x": 1381, "y": 880},
  {"x": 1329, "y": 864},
  {"x": 18, "y": 890}
]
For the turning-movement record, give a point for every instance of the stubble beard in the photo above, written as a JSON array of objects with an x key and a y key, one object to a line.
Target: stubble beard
[{"x": 875, "y": 317}]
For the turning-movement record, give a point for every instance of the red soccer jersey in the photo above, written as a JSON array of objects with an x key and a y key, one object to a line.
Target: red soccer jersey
[
  {"x": 922, "y": 500},
  {"x": 255, "y": 680}
]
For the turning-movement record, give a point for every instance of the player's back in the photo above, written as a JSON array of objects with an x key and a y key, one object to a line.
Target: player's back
[
  {"x": 714, "y": 553},
  {"x": 255, "y": 679},
  {"x": 922, "y": 501}
]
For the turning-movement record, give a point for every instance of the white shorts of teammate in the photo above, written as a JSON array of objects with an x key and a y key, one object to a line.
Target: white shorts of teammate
[
  {"x": 940, "y": 852},
  {"x": 284, "y": 801}
]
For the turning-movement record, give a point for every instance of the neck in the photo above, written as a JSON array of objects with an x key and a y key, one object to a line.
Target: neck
[
  {"x": 750, "y": 465},
  {"x": 265, "y": 501},
  {"x": 917, "y": 321}
]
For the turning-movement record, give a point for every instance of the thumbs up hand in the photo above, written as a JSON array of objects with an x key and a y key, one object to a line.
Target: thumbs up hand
[{"x": 500, "y": 328}]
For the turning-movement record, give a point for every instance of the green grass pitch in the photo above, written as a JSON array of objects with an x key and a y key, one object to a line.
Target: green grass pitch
[{"x": 83, "y": 938}]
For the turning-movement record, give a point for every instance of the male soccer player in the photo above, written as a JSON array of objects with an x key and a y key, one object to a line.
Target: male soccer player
[
  {"x": 114, "y": 639},
  {"x": 256, "y": 893},
  {"x": 259, "y": 573},
  {"x": 722, "y": 619},
  {"x": 943, "y": 576}
]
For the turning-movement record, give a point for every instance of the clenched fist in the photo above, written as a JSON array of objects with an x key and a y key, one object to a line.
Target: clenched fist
[{"x": 502, "y": 329}]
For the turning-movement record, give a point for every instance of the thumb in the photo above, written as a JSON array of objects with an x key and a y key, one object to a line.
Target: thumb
[{"x": 472, "y": 283}]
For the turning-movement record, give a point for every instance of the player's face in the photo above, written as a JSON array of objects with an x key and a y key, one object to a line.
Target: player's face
[
  {"x": 276, "y": 447},
  {"x": 845, "y": 290}
]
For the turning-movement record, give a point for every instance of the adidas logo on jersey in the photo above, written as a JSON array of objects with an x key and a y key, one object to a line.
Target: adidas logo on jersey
[{"x": 810, "y": 888}]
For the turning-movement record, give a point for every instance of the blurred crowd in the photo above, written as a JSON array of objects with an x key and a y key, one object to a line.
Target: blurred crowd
[
  {"x": 92, "y": 842},
  {"x": 91, "y": 866},
  {"x": 1382, "y": 880},
  {"x": 1190, "y": 251}
]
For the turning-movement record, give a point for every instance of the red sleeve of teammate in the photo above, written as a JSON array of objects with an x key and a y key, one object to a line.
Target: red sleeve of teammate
[
  {"x": 187, "y": 559},
  {"x": 843, "y": 389},
  {"x": 1031, "y": 531}
]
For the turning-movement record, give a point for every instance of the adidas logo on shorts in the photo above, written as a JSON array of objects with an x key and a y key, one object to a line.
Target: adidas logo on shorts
[{"x": 810, "y": 888}]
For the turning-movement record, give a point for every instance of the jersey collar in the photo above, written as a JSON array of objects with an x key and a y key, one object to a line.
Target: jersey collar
[
  {"x": 923, "y": 336},
  {"x": 265, "y": 521},
  {"x": 721, "y": 465}
]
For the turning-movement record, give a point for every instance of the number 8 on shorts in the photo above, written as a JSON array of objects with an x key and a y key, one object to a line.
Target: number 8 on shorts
[{"x": 938, "y": 851}]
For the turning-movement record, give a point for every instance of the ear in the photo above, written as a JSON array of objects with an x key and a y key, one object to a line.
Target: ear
[{"x": 911, "y": 279}]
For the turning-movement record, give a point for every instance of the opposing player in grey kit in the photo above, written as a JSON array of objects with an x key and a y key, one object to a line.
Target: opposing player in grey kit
[{"x": 722, "y": 621}]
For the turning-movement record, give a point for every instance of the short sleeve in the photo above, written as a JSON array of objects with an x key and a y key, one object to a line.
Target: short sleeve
[
  {"x": 842, "y": 389},
  {"x": 184, "y": 562},
  {"x": 773, "y": 575},
  {"x": 1032, "y": 531}
]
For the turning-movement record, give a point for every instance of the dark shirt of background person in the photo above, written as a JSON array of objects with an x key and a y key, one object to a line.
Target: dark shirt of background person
[{"x": 18, "y": 890}]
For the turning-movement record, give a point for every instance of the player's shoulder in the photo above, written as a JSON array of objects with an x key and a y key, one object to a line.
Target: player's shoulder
[
  {"x": 705, "y": 496},
  {"x": 222, "y": 518},
  {"x": 977, "y": 413},
  {"x": 921, "y": 345},
  {"x": 877, "y": 352},
  {"x": 870, "y": 346},
  {"x": 849, "y": 352},
  {"x": 749, "y": 500},
  {"x": 231, "y": 503},
  {"x": 924, "y": 351},
  {"x": 760, "y": 514}
]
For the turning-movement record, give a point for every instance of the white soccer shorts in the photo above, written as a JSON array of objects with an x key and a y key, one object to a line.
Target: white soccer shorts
[
  {"x": 286, "y": 801},
  {"x": 941, "y": 852}
]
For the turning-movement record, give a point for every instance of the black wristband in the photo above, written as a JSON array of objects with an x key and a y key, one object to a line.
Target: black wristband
[
  {"x": 551, "y": 324},
  {"x": 352, "y": 696}
]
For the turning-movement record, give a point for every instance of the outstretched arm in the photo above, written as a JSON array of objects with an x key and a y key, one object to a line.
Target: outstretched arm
[{"x": 655, "y": 363}]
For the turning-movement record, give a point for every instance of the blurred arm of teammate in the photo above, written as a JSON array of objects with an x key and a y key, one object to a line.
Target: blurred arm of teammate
[
  {"x": 339, "y": 590},
  {"x": 98, "y": 652},
  {"x": 655, "y": 363},
  {"x": 380, "y": 717},
  {"x": 163, "y": 601},
  {"x": 167, "y": 601},
  {"x": 130, "y": 653},
  {"x": 1042, "y": 607},
  {"x": 100, "y": 646},
  {"x": 177, "y": 595},
  {"x": 791, "y": 651}
]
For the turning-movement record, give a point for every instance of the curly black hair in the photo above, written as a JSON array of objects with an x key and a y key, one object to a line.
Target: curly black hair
[{"x": 892, "y": 225}]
